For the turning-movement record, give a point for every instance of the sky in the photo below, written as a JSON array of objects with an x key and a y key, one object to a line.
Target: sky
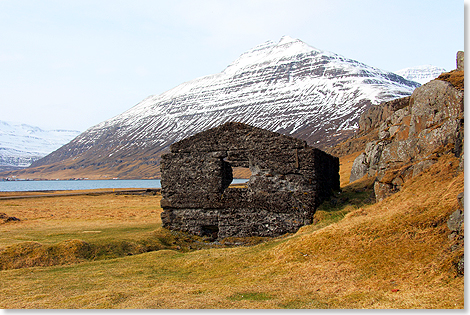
[{"x": 71, "y": 64}]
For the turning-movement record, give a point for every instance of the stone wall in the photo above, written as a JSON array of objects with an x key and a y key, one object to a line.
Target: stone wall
[{"x": 288, "y": 181}]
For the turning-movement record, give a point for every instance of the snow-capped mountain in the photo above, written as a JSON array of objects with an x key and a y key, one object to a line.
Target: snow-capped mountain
[
  {"x": 287, "y": 87},
  {"x": 421, "y": 74},
  {"x": 21, "y": 144}
]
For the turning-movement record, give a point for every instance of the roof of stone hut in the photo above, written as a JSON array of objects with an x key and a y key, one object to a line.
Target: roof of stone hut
[{"x": 235, "y": 136}]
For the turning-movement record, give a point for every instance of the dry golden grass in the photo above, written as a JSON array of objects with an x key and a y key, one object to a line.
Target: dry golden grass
[
  {"x": 73, "y": 216},
  {"x": 345, "y": 167},
  {"x": 392, "y": 254},
  {"x": 48, "y": 225},
  {"x": 241, "y": 172},
  {"x": 455, "y": 77},
  {"x": 47, "y": 193}
]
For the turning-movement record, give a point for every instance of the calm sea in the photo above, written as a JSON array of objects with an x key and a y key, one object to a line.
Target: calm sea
[{"x": 39, "y": 185}]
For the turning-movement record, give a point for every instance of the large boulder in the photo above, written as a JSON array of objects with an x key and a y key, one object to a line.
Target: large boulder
[
  {"x": 375, "y": 115},
  {"x": 456, "y": 219},
  {"x": 360, "y": 168}
]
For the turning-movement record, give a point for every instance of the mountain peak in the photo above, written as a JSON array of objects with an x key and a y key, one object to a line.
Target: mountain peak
[
  {"x": 287, "y": 38},
  {"x": 291, "y": 46},
  {"x": 270, "y": 51}
]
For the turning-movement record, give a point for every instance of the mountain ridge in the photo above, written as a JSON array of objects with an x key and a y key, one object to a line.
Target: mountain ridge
[
  {"x": 421, "y": 74},
  {"x": 21, "y": 144},
  {"x": 287, "y": 87}
]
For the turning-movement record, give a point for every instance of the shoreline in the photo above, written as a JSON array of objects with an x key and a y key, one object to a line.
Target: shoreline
[{"x": 5, "y": 195}]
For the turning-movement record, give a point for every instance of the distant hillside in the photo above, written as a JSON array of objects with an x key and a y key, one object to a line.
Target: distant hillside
[
  {"x": 21, "y": 144},
  {"x": 421, "y": 74}
]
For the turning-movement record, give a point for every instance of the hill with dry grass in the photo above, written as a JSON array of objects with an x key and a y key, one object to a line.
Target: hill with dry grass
[
  {"x": 110, "y": 251},
  {"x": 113, "y": 253}
]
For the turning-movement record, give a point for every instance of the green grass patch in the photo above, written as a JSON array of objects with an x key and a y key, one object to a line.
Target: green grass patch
[
  {"x": 350, "y": 198},
  {"x": 31, "y": 254},
  {"x": 88, "y": 232}
]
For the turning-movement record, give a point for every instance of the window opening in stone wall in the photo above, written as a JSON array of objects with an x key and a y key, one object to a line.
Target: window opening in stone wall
[{"x": 241, "y": 175}]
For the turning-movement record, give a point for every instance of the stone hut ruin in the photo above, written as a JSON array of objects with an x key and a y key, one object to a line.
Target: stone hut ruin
[{"x": 288, "y": 181}]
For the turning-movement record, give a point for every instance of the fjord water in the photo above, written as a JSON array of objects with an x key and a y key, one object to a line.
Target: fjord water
[{"x": 44, "y": 185}]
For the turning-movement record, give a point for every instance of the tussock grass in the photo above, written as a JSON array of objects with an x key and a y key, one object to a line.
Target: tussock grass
[
  {"x": 33, "y": 254},
  {"x": 392, "y": 254},
  {"x": 455, "y": 77}
]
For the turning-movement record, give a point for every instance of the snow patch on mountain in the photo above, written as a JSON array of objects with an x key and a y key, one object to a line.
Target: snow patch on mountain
[
  {"x": 22, "y": 144},
  {"x": 421, "y": 74},
  {"x": 270, "y": 80}
]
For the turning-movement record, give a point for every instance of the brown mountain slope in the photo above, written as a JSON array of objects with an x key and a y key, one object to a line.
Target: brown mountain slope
[{"x": 136, "y": 168}]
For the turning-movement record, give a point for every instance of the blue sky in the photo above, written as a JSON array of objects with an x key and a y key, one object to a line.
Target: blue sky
[{"x": 71, "y": 64}]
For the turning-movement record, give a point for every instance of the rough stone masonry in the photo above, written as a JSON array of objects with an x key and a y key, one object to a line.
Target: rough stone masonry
[{"x": 288, "y": 181}]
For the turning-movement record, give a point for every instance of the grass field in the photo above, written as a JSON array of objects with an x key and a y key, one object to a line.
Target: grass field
[{"x": 113, "y": 253}]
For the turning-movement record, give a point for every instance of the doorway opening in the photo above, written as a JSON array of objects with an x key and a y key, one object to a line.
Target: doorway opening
[{"x": 210, "y": 231}]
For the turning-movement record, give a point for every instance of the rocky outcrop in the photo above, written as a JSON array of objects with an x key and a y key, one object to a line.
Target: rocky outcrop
[
  {"x": 288, "y": 181},
  {"x": 408, "y": 136},
  {"x": 369, "y": 122},
  {"x": 455, "y": 223},
  {"x": 426, "y": 125},
  {"x": 375, "y": 115},
  {"x": 456, "y": 219}
]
